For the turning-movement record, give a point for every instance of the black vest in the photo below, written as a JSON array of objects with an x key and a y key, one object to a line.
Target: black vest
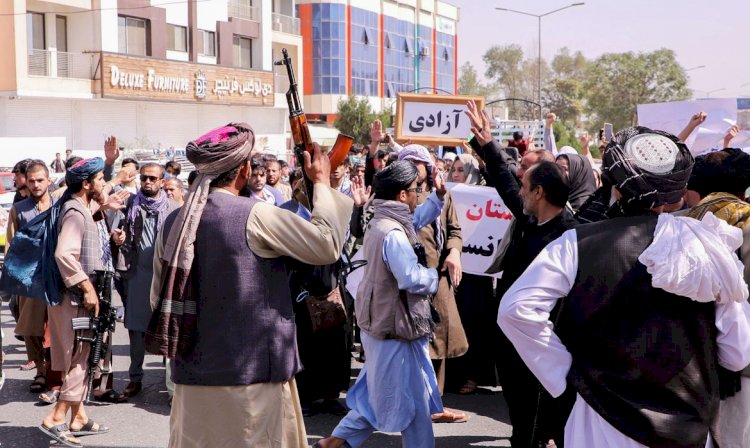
[{"x": 643, "y": 359}]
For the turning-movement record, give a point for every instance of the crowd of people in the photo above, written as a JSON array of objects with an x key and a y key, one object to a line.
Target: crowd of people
[{"x": 620, "y": 319}]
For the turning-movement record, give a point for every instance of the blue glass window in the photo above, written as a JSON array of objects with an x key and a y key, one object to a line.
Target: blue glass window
[
  {"x": 445, "y": 67},
  {"x": 365, "y": 48},
  {"x": 328, "y": 48},
  {"x": 399, "y": 57}
]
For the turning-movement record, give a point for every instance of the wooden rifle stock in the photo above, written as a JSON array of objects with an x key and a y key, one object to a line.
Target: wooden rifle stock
[{"x": 301, "y": 132}]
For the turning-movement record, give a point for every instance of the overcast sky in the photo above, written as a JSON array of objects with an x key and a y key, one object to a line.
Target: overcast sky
[{"x": 701, "y": 32}]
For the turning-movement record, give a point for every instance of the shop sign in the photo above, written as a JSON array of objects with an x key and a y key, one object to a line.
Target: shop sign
[{"x": 153, "y": 79}]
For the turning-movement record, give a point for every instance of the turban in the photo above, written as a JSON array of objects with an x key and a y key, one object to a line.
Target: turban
[
  {"x": 395, "y": 177},
  {"x": 416, "y": 153},
  {"x": 221, "y": 150},
  {"x": 471, "y": 169},
  {"x": 725, "y": 171},
  {"x": 82, "y": 170},
  {"x": 649, "y": 168},
  {"x": 567, "y": 150}
]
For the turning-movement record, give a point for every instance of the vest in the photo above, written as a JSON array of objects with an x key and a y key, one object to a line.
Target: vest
[
  {"x": 643, "y": 359},
  {"x": 91, "y": 245},
  {"x": 379, "y": 309},
  {"x": 246, "y": 332}
]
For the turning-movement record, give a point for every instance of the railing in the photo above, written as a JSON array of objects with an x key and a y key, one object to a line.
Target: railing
[
  {"x": 242, "y": 10},
  {"x": 285, "y": 24},
  {"x": 60, "y": 64}
]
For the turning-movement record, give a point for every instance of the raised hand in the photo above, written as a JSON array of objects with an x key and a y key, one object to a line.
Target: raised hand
[
  {"x": 111, "y": 150},
  {"x": 480, "y": 123},
  {"x": 116, "y": 201},
  {"x": 439, "y": 182},
  {"x": 731, "y": 133},
  {"x": 698, "y": 118},
  {"x": 360, "y": 194}
]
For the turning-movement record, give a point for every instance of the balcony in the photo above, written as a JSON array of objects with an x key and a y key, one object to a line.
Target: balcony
[
  {"x": 242, "y": 10},
  {"x": 60, "y": 64},
  {"x": 285, "y": 24}
]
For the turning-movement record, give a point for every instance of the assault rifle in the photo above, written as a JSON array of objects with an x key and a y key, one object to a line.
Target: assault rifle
[
  {"x": 101, "y": 324},
  {"x": 301, "y": 133}
]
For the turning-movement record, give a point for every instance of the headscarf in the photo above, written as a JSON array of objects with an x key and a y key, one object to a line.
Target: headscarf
[
  {"x": 649, "y": 168},
  {"x": 722, "y": 171},
  {"x": 471, "y": 169},
  {"x": 30, "y": 268},
  {"x": 416, "y": 153},
  {"x": 173, "y": 327},
  {"x": 395, "y": 177},
  {"x": 567, "y": 150},
  {"x": 581, "y": 179}
]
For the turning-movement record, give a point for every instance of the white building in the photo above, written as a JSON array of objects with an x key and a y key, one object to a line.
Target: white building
[{"x": 153, "y": 73}]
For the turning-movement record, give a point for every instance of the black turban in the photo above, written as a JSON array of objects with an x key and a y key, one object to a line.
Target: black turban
[
  {"x": 725, "y": 171},
  {"x": 395, "y": 177},
  {"x": 649, "y": 168}
]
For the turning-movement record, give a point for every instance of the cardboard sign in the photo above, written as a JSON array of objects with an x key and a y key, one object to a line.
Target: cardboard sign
[{"x": 433, "y": 119}]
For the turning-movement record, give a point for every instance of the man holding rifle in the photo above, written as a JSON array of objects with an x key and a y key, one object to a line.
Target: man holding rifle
[
  {"x": 225, "y": 314},
  {"x": 82, "y": 249}
]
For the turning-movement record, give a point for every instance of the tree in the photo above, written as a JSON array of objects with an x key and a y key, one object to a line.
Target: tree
[
  {"x": 564, "y": 92},
  {"x": 469, "y": 83},
  {"x": 616, "y": 83},
  {"x": 516, "y": 76},
  {"x": 355, "y": 116}
]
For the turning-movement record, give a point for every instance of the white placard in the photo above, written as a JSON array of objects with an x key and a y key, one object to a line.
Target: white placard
[{"x": 435, "y": 120}]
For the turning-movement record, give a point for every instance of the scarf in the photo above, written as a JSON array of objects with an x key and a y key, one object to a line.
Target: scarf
[
  {"x": 725, "y": 206},
  {"x": 471, "y": 169},
  {"x": 397, "y": 211},
  {"x": 174, "y": 323},
  {"x": 581, "y": 179},
  {"x": 152, "y": 205},
  {"x": 416, "y": 153}
]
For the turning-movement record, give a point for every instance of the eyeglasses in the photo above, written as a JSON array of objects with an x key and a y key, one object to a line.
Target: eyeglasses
[
  {"x": 415, "y": 189},
  {"x": 145, "y": 178}
]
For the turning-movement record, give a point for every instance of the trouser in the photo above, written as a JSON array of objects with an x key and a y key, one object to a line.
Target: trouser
[
  {"x": 535, "y": 415},
  {"x": 355, "y": 429},
  {"x": 439, "y": 366},
  {"x": 35, "y": 351},
  {"x": 72, "y": 363},
  {"x": 137, "y": 354}
]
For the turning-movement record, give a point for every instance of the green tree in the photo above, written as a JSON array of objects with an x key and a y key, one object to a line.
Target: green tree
[
  {"x": 517, "y": 77},
  {"x": 469, "y": 82},
  {"x": 616, "y": 83},
  {"x": 355, "y": 116},
  {"x": 564, "y": 91}
]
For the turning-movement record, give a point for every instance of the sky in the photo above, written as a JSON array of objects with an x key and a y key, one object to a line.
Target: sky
[{"x": 701, "y": 32}]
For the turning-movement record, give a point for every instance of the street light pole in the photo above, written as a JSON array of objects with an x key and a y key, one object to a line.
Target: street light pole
[{"x": 539, "y": 27}]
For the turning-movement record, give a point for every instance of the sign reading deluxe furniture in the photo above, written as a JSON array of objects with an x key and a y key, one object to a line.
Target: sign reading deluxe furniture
[{"x": 127, "y": 77}]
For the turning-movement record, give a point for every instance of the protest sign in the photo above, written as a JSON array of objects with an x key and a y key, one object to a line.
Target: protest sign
[
  {"x": 433, "y": 119},
  {"x": 484, "y": 218}
]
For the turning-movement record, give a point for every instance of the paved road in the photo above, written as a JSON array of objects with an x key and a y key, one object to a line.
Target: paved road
[{"x": 144, "y": 421}]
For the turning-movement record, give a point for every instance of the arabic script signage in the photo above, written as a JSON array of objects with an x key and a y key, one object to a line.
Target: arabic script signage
[
  {"x": 129, "y": 77},
  {"x": 484, "y": 218},
  {"x": 433, "y": 119}
]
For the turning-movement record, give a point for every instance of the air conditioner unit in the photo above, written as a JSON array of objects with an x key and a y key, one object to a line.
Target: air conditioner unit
[{"x": 425, "y": 51}]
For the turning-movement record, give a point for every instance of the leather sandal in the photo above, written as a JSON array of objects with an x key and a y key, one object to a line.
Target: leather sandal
[
  {"x": 88, "y": 429},
  {"x": 133, "y": 389},
  {"x": 62, "y": 434},
  {"x": 39, "y": 385}
]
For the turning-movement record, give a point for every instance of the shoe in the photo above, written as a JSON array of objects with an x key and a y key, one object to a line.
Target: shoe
[
  {"x": 88, "y": 429},
  {"x": 49, "y": 397},
  {"x": 31, "y": 365},
  {"x": 111, "y": 396},
  {"x": 61, "y": 433},
  {"x": 133, "y": 389},
  {"x": 333, "y": 407}
]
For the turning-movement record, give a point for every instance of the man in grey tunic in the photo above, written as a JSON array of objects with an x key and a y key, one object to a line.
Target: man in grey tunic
[{"x": 144, "y": 218}]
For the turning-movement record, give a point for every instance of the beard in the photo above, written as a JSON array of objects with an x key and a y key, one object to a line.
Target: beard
[{"x": 149, "y": 194}]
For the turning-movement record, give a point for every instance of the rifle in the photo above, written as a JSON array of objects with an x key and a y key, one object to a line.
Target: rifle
[
  {"x": 103, "y": 323},
  {"x": 301, "y": 133}
]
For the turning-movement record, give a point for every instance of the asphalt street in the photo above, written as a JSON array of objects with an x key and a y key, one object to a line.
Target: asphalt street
[{"x": 143, "y": 422}]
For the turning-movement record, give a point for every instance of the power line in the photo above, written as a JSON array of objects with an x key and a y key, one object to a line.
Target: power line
[{"x": 176, "y": 2}]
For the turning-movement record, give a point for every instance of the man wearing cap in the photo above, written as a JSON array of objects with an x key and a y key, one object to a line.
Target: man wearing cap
[
  {"x": 82, "y": 248},
  {"x": 225, "y": 317},
  {"x": 639, "y": 327}
]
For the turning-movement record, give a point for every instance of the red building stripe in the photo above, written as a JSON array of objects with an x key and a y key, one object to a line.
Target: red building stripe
[{"x": 305, "y": 17}]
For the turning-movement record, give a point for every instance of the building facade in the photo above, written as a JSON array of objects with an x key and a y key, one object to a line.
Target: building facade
[
  {"x": 376, "y": 49},
  {"x": 154, "y": 73}
]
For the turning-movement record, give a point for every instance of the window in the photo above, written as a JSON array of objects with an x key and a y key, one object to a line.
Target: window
[
  {"x": 35, "y": 31},
  {"x": 61, "y": 29},
  {"x": 131, "y": 36},
  {"x": 243, "y": 54},
  {"x": 207, "y": 43},
  {"x": 176, "y": 38},
  {"x": 329, "y": 48}
]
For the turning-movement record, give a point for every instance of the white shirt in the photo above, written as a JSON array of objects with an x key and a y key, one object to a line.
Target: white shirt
[{"x": 524, "y": 318}]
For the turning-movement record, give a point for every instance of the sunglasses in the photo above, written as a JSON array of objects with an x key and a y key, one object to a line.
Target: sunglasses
[
  {"x": 145, "y": 178},
  {"x": 415, "y": 189}
]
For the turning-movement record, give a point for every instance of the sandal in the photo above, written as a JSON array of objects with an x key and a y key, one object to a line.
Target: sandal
[
  {"x": 448, "y": 416},
  {"x": 38, "y": 386},
  {"x": 49, "y": 397},
  {"x": 133, "y": 389},
  {"x": 62, "y": 434},
  {"x": 469, "y": 388},
  {"x": 28, "y": 366},
  {"x": 111, "y": 396},
  {"x": 88, "y": 429}
]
